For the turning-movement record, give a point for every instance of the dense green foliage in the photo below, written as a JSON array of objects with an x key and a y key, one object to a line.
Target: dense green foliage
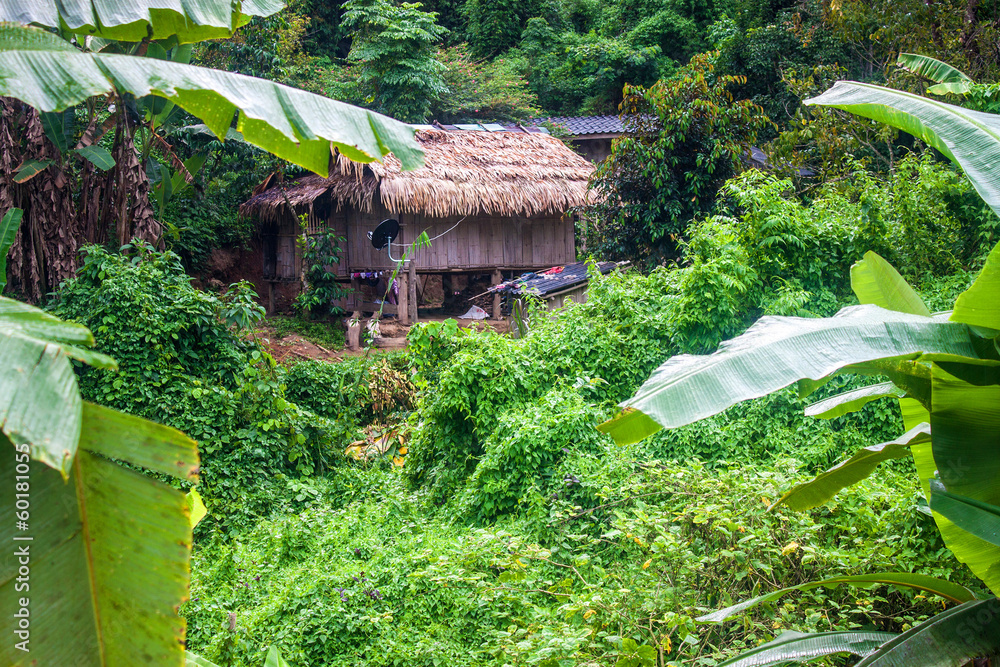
[
  {"x": 183, "y": 365},
  {"x": 617, "y": 555},
  {"x": 686, "y": 138},
  {"x": 500, "y": 527},
  {"x": 394, "y": 45}
]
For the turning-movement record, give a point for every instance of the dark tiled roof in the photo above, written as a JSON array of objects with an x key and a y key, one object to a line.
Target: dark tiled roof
[
  {"x": 542, "y": 284},
  {"x": 581, "y": 125}
]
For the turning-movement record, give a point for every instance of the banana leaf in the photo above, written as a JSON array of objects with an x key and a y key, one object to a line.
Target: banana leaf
[
  {"x": 793, "y": 646},
  {"x": 48, "y": 73},
  {"x": 136, "y": 20},
  {"x": 923, "y": 582},
  {"x": 40, "y": 403},
  {"x": 776, "y": 352},
  {"x": 194, "y": 660},
  {"x": 847, "y": 473},
  {"x": 952, "y": 638},
  {"x": 970, "y": 138},
  {"x": 950, "y": 79},
  {"x": 8, "y": 231},
  {"x": 965, "y": 453},
  {"x": 849, "y": 401},
  {"x": 108, "y": 545},
  {"x": 980, "y": 305},
  {"x": 979, "y": 518},
  {"x": 875, "y": 281}
]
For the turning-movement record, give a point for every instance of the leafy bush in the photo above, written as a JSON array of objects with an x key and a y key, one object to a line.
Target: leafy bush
[
  {"x": 143, "y": 310},
  {"x": 605, "y": 346},
  {"x": 356, "y": 391},
  {"x": 181, "y": 364},
  {"x": 360, "y": 572},
  {"x": 522, "y": 452},
  {"x": 320, "y": 252},
  {"x": 686, "y": 137}
]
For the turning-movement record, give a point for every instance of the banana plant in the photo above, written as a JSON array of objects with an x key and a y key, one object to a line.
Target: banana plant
[
  {"x": 121, "y": 69},
  {"x": 947, "y": 79},
  {"x": 943, "y": 368},
  {"x": 108, "y": 546}
]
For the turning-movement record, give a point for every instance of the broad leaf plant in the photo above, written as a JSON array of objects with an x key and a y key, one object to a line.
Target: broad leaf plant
[{"x": 944, "y": 368}]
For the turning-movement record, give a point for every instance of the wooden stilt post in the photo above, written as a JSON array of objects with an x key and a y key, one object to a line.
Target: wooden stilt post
[
  {"x": 495, "y": 279},
  {"x": 412, "y": 290},
  {"x": 354, "y": 331},
  {"x": 403, "y": 298},
  {"x": 270, "y": 297}
]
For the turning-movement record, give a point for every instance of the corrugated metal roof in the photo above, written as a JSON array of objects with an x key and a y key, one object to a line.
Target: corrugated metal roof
[
  {"x": 554, "y": 280},
  {"x": 584, "y": 125}
]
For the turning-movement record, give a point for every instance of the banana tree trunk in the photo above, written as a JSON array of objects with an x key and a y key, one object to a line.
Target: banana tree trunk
[{"x": 69, "y": 203}]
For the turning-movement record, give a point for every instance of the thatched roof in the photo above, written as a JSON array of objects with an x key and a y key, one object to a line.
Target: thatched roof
[{"x": 464, "y": 173}]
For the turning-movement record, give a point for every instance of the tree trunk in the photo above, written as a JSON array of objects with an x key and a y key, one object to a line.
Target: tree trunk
[
  {"x": 970, "y": 28},
  {"x": 67, "y": 204}
]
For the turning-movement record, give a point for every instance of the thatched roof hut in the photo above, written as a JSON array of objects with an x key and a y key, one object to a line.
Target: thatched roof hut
[
  {"x": 464, "y": 173},
  {"x": 494, "y": 201}
]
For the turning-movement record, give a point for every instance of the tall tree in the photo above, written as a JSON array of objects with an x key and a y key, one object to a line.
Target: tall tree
[
  {"x": 394, "y": 48},
  {"x": 685, "y": 137}
]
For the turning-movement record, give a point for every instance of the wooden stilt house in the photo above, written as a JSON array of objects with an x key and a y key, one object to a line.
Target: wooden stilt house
[{"x": 503, "y": 195}]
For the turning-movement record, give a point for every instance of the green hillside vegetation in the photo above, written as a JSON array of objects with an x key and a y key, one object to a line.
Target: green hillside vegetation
[{"x": 481, "y": 498}]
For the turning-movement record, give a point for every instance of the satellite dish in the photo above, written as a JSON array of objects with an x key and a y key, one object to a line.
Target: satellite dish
[{"x": 384, "y": 234}]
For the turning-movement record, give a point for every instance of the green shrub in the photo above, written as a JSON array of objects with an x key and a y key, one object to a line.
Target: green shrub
[
  {"x": 180, "y": 363},
  {"x": 606, "y": 346},
  {"x": 524, "y": 449}
]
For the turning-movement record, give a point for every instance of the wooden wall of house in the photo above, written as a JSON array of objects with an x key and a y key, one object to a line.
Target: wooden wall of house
[
  {"x": 477, "y": 243},
  {"x": 282, "y": 258}
]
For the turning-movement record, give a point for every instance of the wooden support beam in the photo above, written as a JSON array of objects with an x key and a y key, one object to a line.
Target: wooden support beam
[
  {"x": 495, "y": 279},
  {"x": 411, "y": 292},
  {"x": 403, "y": 298}
]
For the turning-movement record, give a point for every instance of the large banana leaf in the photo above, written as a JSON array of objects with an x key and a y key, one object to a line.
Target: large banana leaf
[
  {"x": 950, "y": 639},
  {"x": 980, "y": 304},
  {"x": 133, "y": 21},
  {"x": 793, "y": 646},
  {"x": 774, "y": 353},
  {"x": 39, "y": 400},
  {"x": 948, "y": 78},
  {"x": 109, "y": 551},
  {"x": 826, "y": 485},
  {"x": 922, "y": 582},
  {"x": 979, "y": 518},
  {"x": 877, "y": 282},
  {"x": 51, "y": 75},
  {"x": 970, "y": 138},
  {"x": 965, "y": 422},
  {"x": 109, "y": 546}
]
